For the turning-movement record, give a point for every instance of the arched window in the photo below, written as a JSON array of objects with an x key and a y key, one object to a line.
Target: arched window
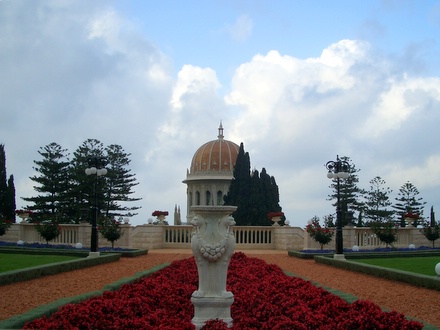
[
  {"x": 190, "y": 198},
  {"x": 219, "y": 197},
  {"x": 208, "y": 197},
  {"x": 197, "y": 198}
]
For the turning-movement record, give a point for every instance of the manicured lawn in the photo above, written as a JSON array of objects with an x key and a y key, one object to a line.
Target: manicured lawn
[
  {"x": 420, "y": 265},
  {"x": 10, "y": 261}
]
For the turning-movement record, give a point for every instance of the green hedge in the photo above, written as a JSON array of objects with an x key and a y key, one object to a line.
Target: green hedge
[
  {"x": 68, "y": 252},
  {"x": 26, "y": 274},
  {"x": 362, "y": 255},
  {"x": 18, "y": 321}
]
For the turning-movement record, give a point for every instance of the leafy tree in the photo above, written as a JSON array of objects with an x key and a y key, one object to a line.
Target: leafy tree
[
  {"x": 349, "y": 193},
  {"x": 408, "y": 202},
  {"x": 386, "y": 231},
  {"x": 378, "y": 201},
  {"x": 110, "y": 229},
  {"x": 254, "y": 194},
  {"x": 7, "y": 189},
  {"x": 48, "y": 229},
  {"x": 322, "y": 235},
  {"x": 52, "y": 184}
]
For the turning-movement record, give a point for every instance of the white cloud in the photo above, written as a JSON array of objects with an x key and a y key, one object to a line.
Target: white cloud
[
  {"x": 242, "y": 28},
  {"x": 82, "y": 70},
  {"x": 401, "y": 99}
]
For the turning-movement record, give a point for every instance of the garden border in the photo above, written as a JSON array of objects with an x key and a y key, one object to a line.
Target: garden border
[
  {"x": 18, "y": 321},
  {"x": 429, "y": 282},
  {"x": 30, "y": 273}
]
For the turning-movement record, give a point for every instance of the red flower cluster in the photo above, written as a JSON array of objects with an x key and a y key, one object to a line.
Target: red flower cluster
[
  {"x": 271, "y": 215},
  {"x": 18, "y": 212},
  {"x": 411, "y": 215},
  {"x": 264, "y": 298},
  {"x": 158, "y": 213}
]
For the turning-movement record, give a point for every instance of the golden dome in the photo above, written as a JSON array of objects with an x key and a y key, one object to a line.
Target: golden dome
[{"x": 215, "y": 156}]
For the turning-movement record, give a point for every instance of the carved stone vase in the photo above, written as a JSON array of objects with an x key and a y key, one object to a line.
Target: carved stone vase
[{"x": 212, "y": 243}]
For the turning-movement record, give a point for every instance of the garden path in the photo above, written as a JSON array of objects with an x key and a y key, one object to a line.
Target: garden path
[{"x": 412, "y": 301}]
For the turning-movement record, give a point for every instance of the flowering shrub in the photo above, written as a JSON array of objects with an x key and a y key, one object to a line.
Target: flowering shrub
[
  {"x": 4, "y": 225},
  {"x": 385, "y": 231},
  {"x": 264, "y": 298},
  {"x": 159, "y": 213},
  {"x": 432, "y": 233},
  {"x": 48, "y": 229},
  {"x": 271, "y": 215},
  {"x": 110, "y": 229},
  {"x": 322, "y": 235}
]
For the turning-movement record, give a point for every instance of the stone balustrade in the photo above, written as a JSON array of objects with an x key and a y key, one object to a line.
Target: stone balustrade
[{"x": 247, "y": 237}]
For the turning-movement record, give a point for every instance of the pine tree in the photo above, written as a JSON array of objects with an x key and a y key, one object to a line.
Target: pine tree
[
  {"x": 82, "y": 189},
  {"x": 119, "y": 183},
  {"x": 377, "y": 202},
  {"x": 52, "y": 184},
  {"x": 408, "y": 202},
  {"x": 349, "y": 193}
]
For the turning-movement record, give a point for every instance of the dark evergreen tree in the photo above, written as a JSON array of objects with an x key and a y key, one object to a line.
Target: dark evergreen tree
[
  {"x": 349, "y": 193},
  {"x": 240, "y": 187},
  {"x": 83, "y": 186},
  {"x": 3, "y": 183},
  {"x": 254, "y": 194},
  {"x": 7, "y": 189},
  {"x": 52, "y": 184},
  {"x": 119, "y": 183},
  {"x": 378, "y": 202},
  {"x": 408, "y": 202},
  {"x": 10, "y": 206},
  {"x": 256, "y": 213}
]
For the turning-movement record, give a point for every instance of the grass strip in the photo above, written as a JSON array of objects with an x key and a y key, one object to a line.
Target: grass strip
[{"x": 14, "y": 261}]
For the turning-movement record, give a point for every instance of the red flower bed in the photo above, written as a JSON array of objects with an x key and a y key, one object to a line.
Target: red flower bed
[{"x": 265, "y": 298}]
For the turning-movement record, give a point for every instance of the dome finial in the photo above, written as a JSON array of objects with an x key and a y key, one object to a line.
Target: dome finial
[{"x": 220, "y": 131}]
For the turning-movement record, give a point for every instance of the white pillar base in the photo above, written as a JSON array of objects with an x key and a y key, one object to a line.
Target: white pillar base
[
  {"x": 339, "y": 256},
  {"x": 93, "y": 254},
  {"x": 210, "y": 308}
]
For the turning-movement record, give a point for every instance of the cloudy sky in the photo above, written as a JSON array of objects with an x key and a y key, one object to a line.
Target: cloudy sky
[{"x": 298, "y": 82}]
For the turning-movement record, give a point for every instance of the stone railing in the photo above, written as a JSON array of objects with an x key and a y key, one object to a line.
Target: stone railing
[{"x": 247, "y": 237}]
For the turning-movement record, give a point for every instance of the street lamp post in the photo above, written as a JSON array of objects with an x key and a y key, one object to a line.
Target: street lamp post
[
  {"x": 338, "y": 170},
  {"x": 96, "y": 167}
]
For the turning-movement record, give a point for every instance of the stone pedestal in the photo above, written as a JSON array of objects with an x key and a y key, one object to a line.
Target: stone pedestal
[
  {"x": 210, "y": 308},
  {"x": 212, "y": 243}
]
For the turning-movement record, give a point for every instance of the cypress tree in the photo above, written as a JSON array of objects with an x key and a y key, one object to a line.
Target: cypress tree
[
  {"x": 254, "y": 194},
  {"x": 9, "y": 210},
  {"x": 3, "y": 183},
  {"x": 7, "y": 189}
]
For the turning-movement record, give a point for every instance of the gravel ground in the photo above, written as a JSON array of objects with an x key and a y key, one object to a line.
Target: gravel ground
[{"x": 412, "y": 301}]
